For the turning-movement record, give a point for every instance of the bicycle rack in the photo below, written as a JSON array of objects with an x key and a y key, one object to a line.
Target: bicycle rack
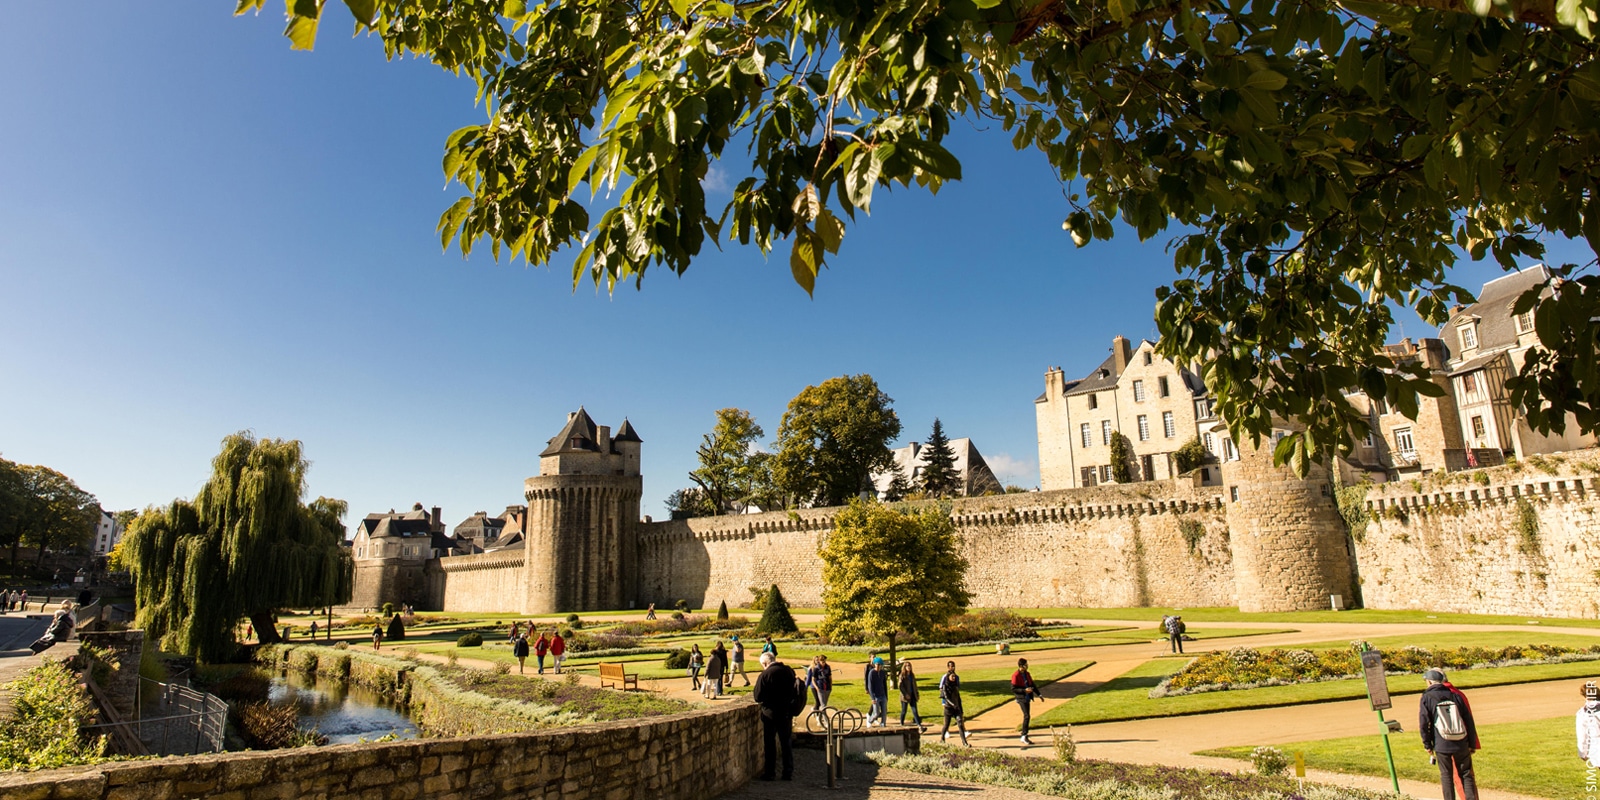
[{"x": 836, "y": 723}]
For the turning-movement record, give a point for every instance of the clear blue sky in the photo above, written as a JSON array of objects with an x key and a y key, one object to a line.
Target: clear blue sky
[{"x": 204, "y": 231}]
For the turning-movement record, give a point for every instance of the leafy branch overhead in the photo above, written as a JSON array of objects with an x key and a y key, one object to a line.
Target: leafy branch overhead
[{"x": 1315, "y": 164}]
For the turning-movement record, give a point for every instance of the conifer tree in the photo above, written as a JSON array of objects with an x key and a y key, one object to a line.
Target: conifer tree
[
  {"x": 246, "y": 546},
  {"x": 899, "y": 486},
  {"x": 939, "y": 475},
  {"x": 775, "y": 617},
  {"x": 722, "y": 612}
]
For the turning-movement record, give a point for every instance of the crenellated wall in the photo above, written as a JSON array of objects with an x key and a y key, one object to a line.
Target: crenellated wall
[
  {"x": 1102, "y": 546},
  {"x": 1521, "y": 539},
  {"x": 483, "y": 582}
]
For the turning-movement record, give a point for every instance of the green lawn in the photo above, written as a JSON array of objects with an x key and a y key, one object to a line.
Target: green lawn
[
  {"x": 1127, "y": 697},
  {"x": 981, "y": 689},
  {"x": 1360, "y": 615},
  {"x": 1536, "y": 757}
]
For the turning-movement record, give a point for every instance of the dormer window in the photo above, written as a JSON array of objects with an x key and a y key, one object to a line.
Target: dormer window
[
  {"x": 1525, "y": 322},
  {"x": 1469, "y": 334}
]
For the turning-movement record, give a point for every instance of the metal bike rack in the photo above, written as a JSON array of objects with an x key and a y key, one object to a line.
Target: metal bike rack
[{"x": 836, "y": 723}]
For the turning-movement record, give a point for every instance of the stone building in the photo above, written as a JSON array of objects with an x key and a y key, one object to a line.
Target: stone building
[
  {"x": 1488, "y": 344},
  {"x": 977, "y": 478},
  {"x": 392, "y": 552},
  {"x": 1400, "y": 447},
  {"x": 1135, "y": 393},
  {"x": 480, "y": 532}
]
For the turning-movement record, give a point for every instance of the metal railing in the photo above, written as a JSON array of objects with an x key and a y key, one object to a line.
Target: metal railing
[{"x": 173, "y": 720}]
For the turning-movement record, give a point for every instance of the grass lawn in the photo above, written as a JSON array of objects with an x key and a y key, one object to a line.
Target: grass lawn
[
  {"x": 1360, "y": 616},
  {"x": 1491, "y": 639},
  {"x": 981, "y": 689},
  {"x": 1127, "y": 697},
  {"x": 1535, "y": 757}
]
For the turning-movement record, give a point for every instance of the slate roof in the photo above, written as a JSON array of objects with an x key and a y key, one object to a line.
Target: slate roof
[
  {"x": 1098, "y": 381},
  {"x": 579, "y": 436},
  {"x": 1497, "y": 327},
  {"x": 395, "y": 525},
  {"x": 626, "y": 433},
  {"x": 1477, "y": 363}
]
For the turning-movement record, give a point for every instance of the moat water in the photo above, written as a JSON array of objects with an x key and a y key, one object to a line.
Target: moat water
[{"x": 341, "y": 712}]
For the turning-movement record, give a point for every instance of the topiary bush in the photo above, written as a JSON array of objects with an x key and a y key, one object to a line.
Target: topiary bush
[
  {"x": 722, "y": 611},
  {"x": 397, "y": 629},
  {"x": 682, "y": 605},
  {"x": 473, "y": 639},
  {"x": 677, "y": 659},
  {"x": 388, "y": 609},
  {"x": 573, "y": 621},
  {"x": 775, "y": 617}
]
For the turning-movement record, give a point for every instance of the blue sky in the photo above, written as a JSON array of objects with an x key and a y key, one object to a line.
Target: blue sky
[{"x": 205, "y": 232}]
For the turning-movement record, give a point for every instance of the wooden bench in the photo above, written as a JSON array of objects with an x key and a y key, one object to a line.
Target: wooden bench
[{"x": 618, "y": 675}]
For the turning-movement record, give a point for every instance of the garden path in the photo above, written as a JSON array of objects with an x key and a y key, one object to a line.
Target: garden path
[{"x": 869, "y": 782}]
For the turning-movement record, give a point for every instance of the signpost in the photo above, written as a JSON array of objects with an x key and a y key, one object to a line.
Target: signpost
[{"x": 1378, "y": 695}]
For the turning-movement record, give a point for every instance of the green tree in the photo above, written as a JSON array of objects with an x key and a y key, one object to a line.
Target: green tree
[
  {"x": 899, "y": 487},
  {"x": 940, "y": 478},
  {"x": 886, "y": 572},
  {"x": 775, "y": 616},
  {"x": 43, "y": 508},
  {"x": 731, "y": 469},
  {"x": 834, "y": 436},
  {"x": 1121, "y": 459},
  {"x": 1318, "y": 163},
  {"x": 1191, "y": 455},
  {"x": 688, "y": 504},
  {"x": 246, "y": 546}
]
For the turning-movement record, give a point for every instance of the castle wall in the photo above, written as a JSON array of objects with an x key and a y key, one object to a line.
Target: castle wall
[
  {"x": 1104, "y": 546},
  {"x": 388, "y": 580},
  {"x": 1458, "y": 542},
  {"x": 484, "y": 582},
  {"x": 1290, "y": 549}
]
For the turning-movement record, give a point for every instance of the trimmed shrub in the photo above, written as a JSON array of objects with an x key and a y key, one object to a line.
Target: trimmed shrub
[
  {"x": 775, "y": 617},
  {"x": 682, "y": 605},
  {"x": 677, "y": 659},
  {"x": 473, "y": 639},
  {"x": 388, "y": 609},
  {"x": 722, "y": 611},
  {"x": 397, "y": 629}
]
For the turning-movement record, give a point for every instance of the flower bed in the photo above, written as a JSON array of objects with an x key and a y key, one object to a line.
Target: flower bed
[{"x": 1249, "y": 668}]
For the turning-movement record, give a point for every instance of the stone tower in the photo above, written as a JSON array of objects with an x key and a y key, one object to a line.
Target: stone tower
[
  {"x": 583, "y": 517},
  {"x": 1290, "y": 549}
]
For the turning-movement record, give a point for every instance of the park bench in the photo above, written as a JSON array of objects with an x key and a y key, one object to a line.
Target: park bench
[{"x": 618, "y": 675}]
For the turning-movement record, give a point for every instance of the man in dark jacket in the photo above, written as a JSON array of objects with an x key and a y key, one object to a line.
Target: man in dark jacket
[
  {"x": 1453, "y": 754},
  {"x": 775, "y": 693}
]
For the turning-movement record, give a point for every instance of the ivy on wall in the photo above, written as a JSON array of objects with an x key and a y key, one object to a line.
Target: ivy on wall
[
  {"x": 1528, "y": 526},
  {"x": 1353, "y": 509},
  {"x": 1193, "y": 532}
]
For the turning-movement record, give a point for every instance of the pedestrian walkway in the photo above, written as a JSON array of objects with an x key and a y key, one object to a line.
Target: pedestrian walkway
[{"x": 864, "y": 781}]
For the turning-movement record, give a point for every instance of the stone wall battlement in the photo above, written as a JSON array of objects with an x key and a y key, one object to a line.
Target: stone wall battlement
[
  {"x": 497, "y": 560},
  {"x": 1554, "y": 488}
]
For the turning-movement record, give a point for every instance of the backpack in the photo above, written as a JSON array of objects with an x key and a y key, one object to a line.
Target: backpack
[
  {"x": 1447, "y": 721},
  {"x": 797, "y": 706}
]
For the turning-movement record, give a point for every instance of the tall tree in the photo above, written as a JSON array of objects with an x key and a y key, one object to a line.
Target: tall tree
[
  {"x": 1319, "y": 163},
  {"x": 246, "y": 546},
  {"x": 730, "y": 467},
  {"x": 43, "y": 508},
  {"x": 886, "y": 572},
  {"x": 940, "y": 478},
  {"x": 689, "y": 503},
  {"x": 834, "y": 436}
]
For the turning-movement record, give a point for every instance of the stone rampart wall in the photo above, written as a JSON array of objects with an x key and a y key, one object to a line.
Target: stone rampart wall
[
  {"x": 1101, "y": 546},
  {"x": 484, "y": 582},
  {"x": 1520, "y": 539},
  {"x": 693, "y": 756}
]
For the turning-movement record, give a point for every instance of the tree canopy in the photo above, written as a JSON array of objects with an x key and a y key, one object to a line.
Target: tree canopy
[
  {"x": 887, "y": 572},
  {"x": 940, "y": 478},
  {"x": 831, "y": 440},
  {"x": 1313, "y": 164},
  {"x": 43, "y": 508},
  {"x": 246, "y": 546},
  {"x": 732, "y": 474}
]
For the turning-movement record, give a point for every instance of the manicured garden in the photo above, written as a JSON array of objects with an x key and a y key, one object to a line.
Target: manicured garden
[{"x": 1534, "y": 758}]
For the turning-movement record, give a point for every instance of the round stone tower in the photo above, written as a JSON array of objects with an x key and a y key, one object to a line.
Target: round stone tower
[
  {"x": 1290, "y": 550},
  {"x": 582, "y": 523}
]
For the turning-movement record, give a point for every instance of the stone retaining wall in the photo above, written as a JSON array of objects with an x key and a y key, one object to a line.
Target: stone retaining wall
[{"x": 695, "y": 755}]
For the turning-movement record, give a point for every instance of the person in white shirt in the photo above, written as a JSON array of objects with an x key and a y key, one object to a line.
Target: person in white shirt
[{"x": 1589, "y": 725}]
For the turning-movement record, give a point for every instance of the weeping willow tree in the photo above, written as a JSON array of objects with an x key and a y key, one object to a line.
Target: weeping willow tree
[{"x": 246, "y": 546}]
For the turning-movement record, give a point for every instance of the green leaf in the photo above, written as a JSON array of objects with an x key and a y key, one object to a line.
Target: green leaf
[
  {"x": 831, "y": 230},
  {"x": 1266, "y": 79},
  {"x": 803, "y": 260},
  {"x": 365, "y": 10},
  {"x": 982, "y": 4},
  {"x": 512, "y": 9},
  {"x": 580, "y": 168},
  {"x": 302, "y": 27}
]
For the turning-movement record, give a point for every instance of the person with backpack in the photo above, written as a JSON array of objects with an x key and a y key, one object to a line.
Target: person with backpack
[
  {"x": 950, "y": 699},
  {"x": 877, "y": 683},
  {"x": 519, "y": 648},
  {"x": 1026, "y": 691},
  {"x": 1449, "y": 734},
  {"x": 377, "y": 637},
  {"x": 541, "y": 646},
  {"x": 716, "y": 670},
  {"x": 1589, "y": 725},
  {"x": 1175, "y": 629},
  {"x": 781, "y": 697}
]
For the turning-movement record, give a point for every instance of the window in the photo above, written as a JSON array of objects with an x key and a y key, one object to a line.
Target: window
[
  {"x": 1233, "y": 492},
  {"x": 1368, "y": 442},
  {"x": 1469, "y": 383},
  {"x": 1105, "y": 431},
  {"x": 1402, "y": 441},
  {"x": 1202, "y": 408},
  {"x": 1094, "y": 402},
  {"x": 1166, "y": 391},
  {"x": 1105, "y": 473},
  {"x": 1469, "y": 336},
  {"x": 1169, "y": 426},
  {"x": 1144, "y": 428},
  {"x": 1477, "y": 427},
  {"x": 1138, "y": 391},
  {"x": 1209, "y": 443},
  {"x": 1088, "y": 476},
  {"x": 1525, "y": 322},
  {"x": 1228, "y": 453},
  {"x": 1084, "y": 429},
  {"x": 1147, "y": 358}
]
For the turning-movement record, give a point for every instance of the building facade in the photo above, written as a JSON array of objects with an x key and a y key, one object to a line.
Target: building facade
[{"x": 977, "y": 479}]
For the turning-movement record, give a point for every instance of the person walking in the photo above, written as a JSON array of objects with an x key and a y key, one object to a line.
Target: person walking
[
  {"x": 519, "y": 648},
  {"x": 516, "y": 632},
  {"x": 738, "y": 661},
  {"x": 1589, "y": 725},
  {"x": 650, "y": 613},
  {"x": 716, "y": 669},
  {"x": 909, "y": 695},
  {"x": 377, "y": 637},
  {"x": 22, "y": 602},
  {"x": 1175, "y": 629},
  {"x": 819, "y": 676},
  {"x": 780, "y": 699},
  {"x": 1026, "y": 691},
  {"x": 1449, "y": 734},
  {"x": 950, "y": 699},
  {"x": 558, "y": 650},
  {"x": 313, "y": 630},
  {"x": 877, "y": 683},
  {"x": 769, "y": 647},
  {"x": 696, "y": 662},
  {"x": 540, "y": 647}
]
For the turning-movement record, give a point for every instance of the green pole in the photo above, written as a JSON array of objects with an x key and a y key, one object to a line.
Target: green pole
[{"x": 1388, "y": 753}]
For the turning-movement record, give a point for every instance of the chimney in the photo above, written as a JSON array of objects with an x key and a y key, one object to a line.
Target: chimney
[
  {"x": 437, "y": 518},
  {"x": 605, "y": 438},
  {"x": 1121, "y": 354},
  {"x": 571, "y": 415}
]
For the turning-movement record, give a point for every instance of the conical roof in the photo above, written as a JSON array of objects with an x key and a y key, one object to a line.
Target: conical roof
[
  {"x": 626, "y": 433},
  {"x": 578, "y": 436}
]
